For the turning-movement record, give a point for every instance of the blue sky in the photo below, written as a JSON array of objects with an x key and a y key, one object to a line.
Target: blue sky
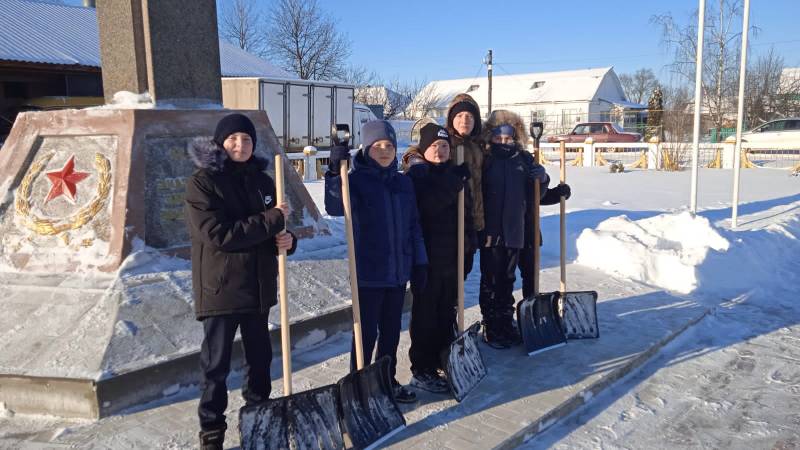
[
  {"x": 440, "y": 39},
  {"x": 448, "y": 39}
]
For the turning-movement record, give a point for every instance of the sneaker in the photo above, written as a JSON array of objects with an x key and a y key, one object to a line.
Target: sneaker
[
  {"x": 492, "y": 335},
  {"x": 402, "y": 394},
  {"x": 429, "y": 381}
]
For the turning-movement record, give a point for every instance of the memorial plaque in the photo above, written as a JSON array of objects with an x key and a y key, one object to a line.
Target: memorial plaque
[{"x": 168, "y": 167}]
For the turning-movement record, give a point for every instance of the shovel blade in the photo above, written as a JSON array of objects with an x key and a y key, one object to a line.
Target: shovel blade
[
  {"x": 539, "y": 323},
  {"x": 369, "y": 412},
  {"x": 463, "y": 363},
  {"x": 303, "y": 421},
  {"x": 580, "y": 315}
]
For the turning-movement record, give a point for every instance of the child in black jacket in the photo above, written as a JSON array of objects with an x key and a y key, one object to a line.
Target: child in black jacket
[
  {"x": 508, "y": 179},
  {"x": 437, "y": 183}
]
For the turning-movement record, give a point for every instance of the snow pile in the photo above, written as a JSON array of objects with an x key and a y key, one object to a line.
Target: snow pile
[
  {"x": 130, "y": 100},
  {"x": 663, "y": 251}
]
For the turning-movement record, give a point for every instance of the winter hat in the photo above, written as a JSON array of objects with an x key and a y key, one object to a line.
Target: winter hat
[
  {"x": 503, "y": 130},
  {"x": 376, "y": 130},
  {"x": 431, "y": 133},
  {"x": 234, "y": 123},
  {"x": 470, "y": 108}
]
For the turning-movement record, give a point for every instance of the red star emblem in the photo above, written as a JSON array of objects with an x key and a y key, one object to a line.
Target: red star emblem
[{"x": 64, "y": 181}]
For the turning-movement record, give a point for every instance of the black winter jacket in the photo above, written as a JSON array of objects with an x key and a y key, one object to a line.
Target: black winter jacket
[
  {"x": 437, "y": 187},
  {"x": 234, "y": 256},
  {"x": 506, "y": 198}
]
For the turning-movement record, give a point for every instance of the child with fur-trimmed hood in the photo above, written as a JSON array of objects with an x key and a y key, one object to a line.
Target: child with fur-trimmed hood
[{"x": 509, "y": 174}]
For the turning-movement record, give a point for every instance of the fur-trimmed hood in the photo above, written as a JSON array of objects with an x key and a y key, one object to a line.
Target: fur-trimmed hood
[
  {"x": 505, "y": 117},
  {"x": 207, "y": 154},
  {"x": 476, "y": 129}
]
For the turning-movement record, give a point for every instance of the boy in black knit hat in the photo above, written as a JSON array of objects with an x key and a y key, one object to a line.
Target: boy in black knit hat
[
  {"x": 437, "y": 182},
  {"x": 236, "y": 230}
]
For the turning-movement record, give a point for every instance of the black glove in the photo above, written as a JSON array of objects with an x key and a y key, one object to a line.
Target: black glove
[
  {"x": 462, "y": 171},
  {"x": 338, "y": 154},
  {"x": 564, "y": 190},
  {"x": 419, "y": 277}
]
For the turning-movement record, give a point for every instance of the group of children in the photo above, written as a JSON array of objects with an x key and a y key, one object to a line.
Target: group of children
[{"x": 405, "y": 229}]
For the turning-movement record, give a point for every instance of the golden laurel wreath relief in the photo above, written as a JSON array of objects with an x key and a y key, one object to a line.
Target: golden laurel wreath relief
[{"x": 50, "y": 227}]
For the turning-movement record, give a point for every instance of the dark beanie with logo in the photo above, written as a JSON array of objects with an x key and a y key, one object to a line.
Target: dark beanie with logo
[
  {"x": 234, "y": 123},
  {"x": 431, "y": 133}
]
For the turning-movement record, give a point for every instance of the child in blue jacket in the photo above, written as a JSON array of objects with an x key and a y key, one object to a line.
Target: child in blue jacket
[{"x": 389, "y": 247}]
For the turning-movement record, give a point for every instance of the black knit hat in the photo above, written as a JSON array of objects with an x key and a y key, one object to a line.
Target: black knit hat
[
  {"x": 470, "y": 108},
  {"x": 234, "y": 123},
  {"x": 431, "y": 133}
]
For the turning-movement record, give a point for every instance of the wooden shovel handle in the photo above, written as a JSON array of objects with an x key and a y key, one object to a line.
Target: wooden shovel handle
[
  {"x": 286, "y": 343},
  {"x": 537, "y": 240},
  {"x": 460, "y": 259},
  {"x": 563, "y": 211},
  {"x": 351, "y": 259}
]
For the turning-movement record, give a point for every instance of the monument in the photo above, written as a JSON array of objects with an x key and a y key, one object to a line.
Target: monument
[{"x": 96, "y": 296}]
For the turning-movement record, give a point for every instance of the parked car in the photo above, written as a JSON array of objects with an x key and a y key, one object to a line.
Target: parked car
[
  {"x": 599, "y": 132},
  {"x": 776, "y": 132}
]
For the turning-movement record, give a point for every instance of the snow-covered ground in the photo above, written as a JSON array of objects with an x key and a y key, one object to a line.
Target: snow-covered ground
[{"x": 732, "y": 380}]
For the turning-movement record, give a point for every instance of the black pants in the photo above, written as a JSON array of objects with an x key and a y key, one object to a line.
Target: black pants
[
  {"x": 498, "y": 267},
  {"x": 433, "y": 320},
  {"x": 526, "y": 259},
  {"x": 381, "y": 312},
  {"x": 215, "y": 364}
]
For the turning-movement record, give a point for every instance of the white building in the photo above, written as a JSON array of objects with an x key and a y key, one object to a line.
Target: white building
[{"x": 559, "y": 99}]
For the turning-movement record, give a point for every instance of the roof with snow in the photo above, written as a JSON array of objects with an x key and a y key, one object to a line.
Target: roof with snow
[
  {"x": 543, "y": 87},
  {"x": 45, "y": 33}
]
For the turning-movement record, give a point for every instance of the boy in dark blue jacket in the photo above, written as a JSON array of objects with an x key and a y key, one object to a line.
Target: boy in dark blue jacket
[
  {"x": 508, "y": 179},
  {"x": 388, "y": 240}
]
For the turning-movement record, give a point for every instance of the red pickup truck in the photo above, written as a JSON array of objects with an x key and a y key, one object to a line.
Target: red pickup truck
[{"x": 599, "y": 132}]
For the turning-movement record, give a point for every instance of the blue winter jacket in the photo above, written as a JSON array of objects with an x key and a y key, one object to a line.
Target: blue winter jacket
[{"x": 386, "y": 230}]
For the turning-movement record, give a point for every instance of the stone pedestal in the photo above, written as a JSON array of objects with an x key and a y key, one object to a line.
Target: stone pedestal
[
  {"x": 132, "y": 166},
  {"x": 97, "y": 307}
]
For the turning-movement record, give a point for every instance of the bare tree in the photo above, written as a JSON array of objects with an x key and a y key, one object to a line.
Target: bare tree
[
  {"x": 639, "y": 85},
  {"x": 360, "y": 76},
  {"x": 720, "y": 54},
  {"x": 425, "y": 100},
  {"x": 771, "y": 91},
  {"x": 303, "y": 39},
  {"x": 241, "y": 24}
]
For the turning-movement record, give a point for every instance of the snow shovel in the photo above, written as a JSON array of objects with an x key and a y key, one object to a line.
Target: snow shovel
[
  {"x": 578, "y": 310},
  {"x": 369, "y": 412},
  {"x": 462, "y": 361},
  {"x": 537, "y": 316},
  {"x": 306, "y": 420}
]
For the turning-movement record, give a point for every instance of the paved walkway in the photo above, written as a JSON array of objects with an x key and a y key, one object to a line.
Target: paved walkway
[{"x": 521, "y": 396}]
